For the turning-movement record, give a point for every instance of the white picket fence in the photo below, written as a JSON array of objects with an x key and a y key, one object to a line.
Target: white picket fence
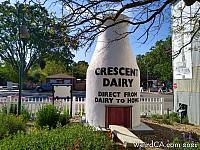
[
  {"x": 32, "y": 105},
  {"x": 151, "y": 105}
]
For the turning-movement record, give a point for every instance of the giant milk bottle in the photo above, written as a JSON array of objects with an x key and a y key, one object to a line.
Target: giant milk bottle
[{"x": 113, "y": 80}]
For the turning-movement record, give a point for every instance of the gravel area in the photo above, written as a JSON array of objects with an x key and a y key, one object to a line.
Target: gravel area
[{"x": 165, "y": 134}]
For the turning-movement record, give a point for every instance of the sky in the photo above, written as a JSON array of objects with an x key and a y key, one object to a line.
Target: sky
[{"x": 137, "y": 46}]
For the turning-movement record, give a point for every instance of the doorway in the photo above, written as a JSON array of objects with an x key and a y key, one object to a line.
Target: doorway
[{"x": 118, "y": 115}]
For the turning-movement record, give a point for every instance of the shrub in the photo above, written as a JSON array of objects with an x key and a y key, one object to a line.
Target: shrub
[
  {"x": 173, "y": 116},
  {"x": 25, "y": 114},
  {"x": 64, "y": 118},
  {"x": 156, "y": 116},
  {"x": 185, "y": 120},
  {"x": 13, "y": 110},
  {"x": 10, "y": 124},
  {"x": 48, "y": 116},
  {"x": 165, "y": 120},
  {"x": 68, "y": 137}
]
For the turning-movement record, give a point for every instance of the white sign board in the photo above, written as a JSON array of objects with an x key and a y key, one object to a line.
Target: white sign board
[
  {"x": 182, "y": 63},
  {"x": 62, "y": 91}
]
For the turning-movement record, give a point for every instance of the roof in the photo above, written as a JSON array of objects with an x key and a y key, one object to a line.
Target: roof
[{"x": 59, "y": 76}]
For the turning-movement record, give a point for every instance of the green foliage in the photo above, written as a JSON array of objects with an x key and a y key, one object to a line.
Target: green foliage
[
  {"x": 13, "y": 110},
  {"x": 80, "y": 69},
  {"x": 54, "y": 67},
  {"x": 185, "y": 144},
  {"x": 10, "y": 124},
  {"x": 48, "y": 116},
  {"x": 173, "y": 117},
  {"x": 25, "y": 114},
  {"x": 46, "y": 38},
  {"x": 156, "y": 116},
  {"x": 166, "y": 119},
  {"x": 7, "y": 74},
  {"x": 36, "y": 77},
  {"x": 185, "y": 120},
  {"x": 64, "y": 118},
  {"x": 157, "y": 62},
  {"x": 73, "y": 137}
]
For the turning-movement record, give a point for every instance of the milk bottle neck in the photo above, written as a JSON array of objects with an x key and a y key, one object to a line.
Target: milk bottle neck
[{"x": 114, "y": 32}]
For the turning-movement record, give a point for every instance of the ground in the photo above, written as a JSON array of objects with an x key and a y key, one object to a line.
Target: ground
[{"x": 165, "y": 133}]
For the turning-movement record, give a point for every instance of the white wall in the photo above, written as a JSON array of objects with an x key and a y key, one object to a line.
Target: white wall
[{"x": 188, "y": 85}]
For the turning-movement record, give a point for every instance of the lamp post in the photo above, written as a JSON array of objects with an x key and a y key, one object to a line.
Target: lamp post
[
  {"x": 147, "y": 80},
  {"x": 23, "y": 34},
  {"x": 147, "y": 75}
]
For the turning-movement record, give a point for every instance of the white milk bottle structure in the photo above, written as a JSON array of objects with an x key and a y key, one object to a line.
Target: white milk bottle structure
[{"x": 113, "y": 80}]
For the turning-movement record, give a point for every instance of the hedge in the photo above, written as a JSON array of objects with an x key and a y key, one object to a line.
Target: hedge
[{"x": 63, "y": 138}]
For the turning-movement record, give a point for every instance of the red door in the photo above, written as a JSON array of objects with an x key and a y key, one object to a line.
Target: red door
[{"x": 116, "y": 115}]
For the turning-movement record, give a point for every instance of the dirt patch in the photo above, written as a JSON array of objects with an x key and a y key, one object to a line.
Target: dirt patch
[{"x": 166, "y": 133}]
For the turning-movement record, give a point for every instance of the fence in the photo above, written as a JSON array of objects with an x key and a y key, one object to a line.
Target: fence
[
  {"x": 153, "y": 105},
  {"x": 32, "y": 105}
]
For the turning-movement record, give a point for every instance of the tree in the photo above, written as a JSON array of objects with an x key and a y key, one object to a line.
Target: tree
[
  {"x": 21, "y": 49},
  {"x": 38, "y": 75},
  {"x": 46, "y": 37},
  {"x": 79, "y": 69},
  {"x": 141, "y": 64},
  {"x": 7, "y": 73},
  {"x": 86, "y": 17},
  {"x": 158, "y": 67}
]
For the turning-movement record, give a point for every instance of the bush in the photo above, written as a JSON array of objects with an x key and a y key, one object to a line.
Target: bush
[
  {"x": 185, "y": 120},
  {"x": 25, "y": 114},
  {"x": 13, "y": 110},
  {"x": 156, "y": 116},
  {"x": 48, "y": 116},
  {"x": 165, "y": 120},
  {"x": 64, "y": 118},
  {"x": 10, "y": 124},
  {"x": 173, "y": 117},
  {"x": 68, "y": 137}
]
